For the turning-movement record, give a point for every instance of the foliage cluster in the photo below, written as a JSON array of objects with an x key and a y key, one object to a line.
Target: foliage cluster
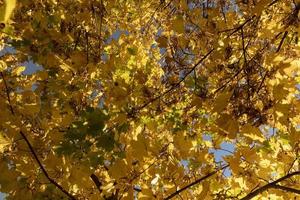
[{"x": 133, "y": 99}]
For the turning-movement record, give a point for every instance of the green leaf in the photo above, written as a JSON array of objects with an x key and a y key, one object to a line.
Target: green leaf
[
  {"x": 132, "y": 50},
  {"x": 106, "y": 142}
]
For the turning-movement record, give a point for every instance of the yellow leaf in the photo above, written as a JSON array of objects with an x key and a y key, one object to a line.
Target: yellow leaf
[
  {"x": 139, "y": 148},
  {"x": 265, "y": 163},
  {"x": 155, "y": 180},
  {"x": 253, "y": 133},
  {"x": 294, "y": 136},
  {"x": 250, "y": 154},
  {"x": 260, "y": 6},
  {"x": 234, "y": 163},
  {"x": 129, "y": 195},
  {"x": 3, "y": 66},
  {"x": 18, "y": 70},
  {"x": 184, "y": 4},
  {"x": 119, "y": 169},
  {"x": 178, "y": 25},
  {"x": 182, "y": 143},
  {"x": 6, "y": 10},
  {"x": 108, "y": 187},
  {"x": 264, "y": 172},
  {"x": 3, "y": 142},
  {"x": 146, "y": 194},
  {"x": 80, "y": 176},
  {"x": 221, "y": 101},
  {"x": 205, "y": 190},
  {"x": 233, "y": 128},
  {"x": 228, "y": 125},
  {"x": 121, "y": 118},
  {"x": 31, "y": 108},
  {"x": 7, "y": 175},
  {"x": 162, "y": 41},
  {"x": 280, "y": 92},
  {"x": 152, "y": 125},
  {"x": 64, "y": 65},
  {"x": 241, "y": 182}
]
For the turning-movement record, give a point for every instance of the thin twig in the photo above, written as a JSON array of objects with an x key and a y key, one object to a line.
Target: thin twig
[
  {"x": 175, "y": 85},
  {"x": 87, "y": 46},
  {"x": 239, "y": 27},
  {"x": 261, "y": 83},
  {"x": 97, "y": 182},
  {"x": 195, "y": 183},
  {"x": 272, "y": 3},
  {"x": 287, "y": 189},
  {"x": 281, "y": 41},
  {"x": 43, "y": 169},
  {"x": 101, "y": 23},
  {"x": 7, "y": 94}
]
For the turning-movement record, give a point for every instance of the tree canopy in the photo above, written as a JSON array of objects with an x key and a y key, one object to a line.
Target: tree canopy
[{"x": 134, "y": 99}]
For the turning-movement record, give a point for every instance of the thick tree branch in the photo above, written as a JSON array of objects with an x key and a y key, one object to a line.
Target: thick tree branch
[
  {"x": 272, "y": 185},
  {"x": 194, "y": 183},
  {"x": 32, "y": 151}
]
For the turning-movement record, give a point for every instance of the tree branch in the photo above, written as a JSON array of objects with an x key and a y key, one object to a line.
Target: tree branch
[
  {"x": 43, "y": 169},
  {"x": 195, "y": 183},
  {"x": 236, "y": 29},
  {"x": 272, "y": 185},
  {"x": 288, "y": 189},
  {"x": 97, "y": 182},
  {"x": 32, "y": 149},
  {"x": 177, "y": 84},
  {"x": 281, "y": 42},
  {"x": 272, "y": 3},
  {"x": 7, "y": 94}
]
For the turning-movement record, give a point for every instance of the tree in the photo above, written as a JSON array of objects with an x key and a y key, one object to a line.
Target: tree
[{"x": 132, "y": 99}]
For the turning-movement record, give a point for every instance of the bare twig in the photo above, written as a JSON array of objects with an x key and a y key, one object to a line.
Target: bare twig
[{"x": 195, "y": 183}]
